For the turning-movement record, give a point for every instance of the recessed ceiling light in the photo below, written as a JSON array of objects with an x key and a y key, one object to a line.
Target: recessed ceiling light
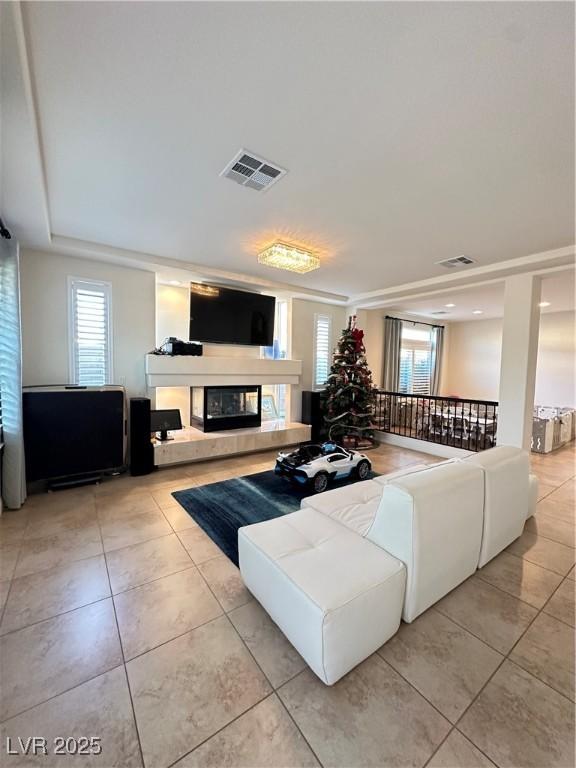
[
  {"x": 450, "y": 305},
  {"x": 284, "y": 256},
  {"x": 544, "y": 304},
  {"x": 477, "y": 311}
]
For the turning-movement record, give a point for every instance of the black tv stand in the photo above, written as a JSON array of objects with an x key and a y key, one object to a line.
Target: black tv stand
[{"x": 164, "y": 436}]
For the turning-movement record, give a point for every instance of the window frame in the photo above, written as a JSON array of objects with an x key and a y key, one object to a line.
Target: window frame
[
  {"x": 316, "y": 386},
  {"x": 106, "y": 288}
]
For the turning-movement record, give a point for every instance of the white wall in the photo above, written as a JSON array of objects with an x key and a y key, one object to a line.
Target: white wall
[
  {"x": 555, "y": 372},
  {"x": 44, "y": 286},
  {"x": 172, "y": 312},
  {"x": 474, "y": 359},
  {"x": 303, "y": 313}
]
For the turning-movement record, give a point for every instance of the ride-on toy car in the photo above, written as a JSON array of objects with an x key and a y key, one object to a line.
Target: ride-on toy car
[{"x": 318, "y": 464}]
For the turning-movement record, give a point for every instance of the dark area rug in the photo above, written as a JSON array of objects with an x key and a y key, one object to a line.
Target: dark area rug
[{"x": 221, "y": 508}]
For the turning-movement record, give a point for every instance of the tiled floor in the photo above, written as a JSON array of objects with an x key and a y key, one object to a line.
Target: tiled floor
[{"x": 123, "y": 621}]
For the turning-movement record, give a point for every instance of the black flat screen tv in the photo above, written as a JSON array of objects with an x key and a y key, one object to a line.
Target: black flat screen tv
[{"x": 226, "y": 316}]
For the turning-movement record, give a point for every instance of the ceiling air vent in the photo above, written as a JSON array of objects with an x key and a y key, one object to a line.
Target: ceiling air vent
[
  {"x": 457, "y": 261},
  {"x": 440, "y": 312},
  {"x": 249, "y": 170}
]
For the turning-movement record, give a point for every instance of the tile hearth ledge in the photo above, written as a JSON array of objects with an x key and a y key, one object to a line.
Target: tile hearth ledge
[
  {"x": 192, "y": 444},
  {"x": 185, "y": 371}
]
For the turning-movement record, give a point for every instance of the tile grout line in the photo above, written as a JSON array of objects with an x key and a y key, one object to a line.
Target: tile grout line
[
  {"x": 176, "y": 637},
  {"x": 208, "y": 559},
  {"x": 485, "y": 685},
  {"x": 122, "y": 663},
  {"x": 414, "y": 688},
  {"x": 274, "y": 691},
  {"x": 11, "y": 582},
  {"x": 454, "y": 621},
  {"x": 490, "y": 584},
  {"x": 439, "y": 747},
  {"x": 283, "y": 705},
  {"x": 54, "y": 616},
  {"x": 507, "y": 658},
  {"x": 223, "y": 728},
  {"x": 455, "y": 725},
  {"x": 152, "y": 581},
  {"x": 122, "y": 650},
  {"x": 93, "y": 557},
  {"x": 61, "y": 693},
  {"x": 520, "y": 557},
  {"x": 91, "y": 602},
  {"x": 224, "y": 614}
]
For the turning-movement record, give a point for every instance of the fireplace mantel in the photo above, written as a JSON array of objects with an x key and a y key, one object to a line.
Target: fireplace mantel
[{"x": 185, "y": 371}]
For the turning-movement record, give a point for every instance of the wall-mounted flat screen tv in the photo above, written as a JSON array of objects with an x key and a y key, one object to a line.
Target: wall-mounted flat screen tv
[{"x": 227, "y": 316}]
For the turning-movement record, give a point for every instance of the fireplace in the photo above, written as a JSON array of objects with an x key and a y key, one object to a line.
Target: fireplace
[{"x": 213, "y": 409}]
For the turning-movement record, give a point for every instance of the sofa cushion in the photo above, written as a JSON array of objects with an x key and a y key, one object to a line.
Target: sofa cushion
[
  {"x": 355, "y": 505},
  {"x": 432, "y": 521},
  {"x": 506, "y": 497},
  {"x": 389, "y": 476},
  {"x": 336, "y": 596}
]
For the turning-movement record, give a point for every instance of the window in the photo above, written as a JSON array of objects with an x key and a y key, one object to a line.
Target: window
[
  {"x": 89, "y": 318},
  {"x": 274, "y": 395},
  {"x": 415, "y": 361},
  {"x": 322, "y": 349}
]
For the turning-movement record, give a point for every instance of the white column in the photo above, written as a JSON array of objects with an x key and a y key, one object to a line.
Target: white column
[{"x": 520, "y": 330}]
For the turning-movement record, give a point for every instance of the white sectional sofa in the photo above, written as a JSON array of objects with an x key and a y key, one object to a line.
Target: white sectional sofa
[{"x": 338, "y": 575}]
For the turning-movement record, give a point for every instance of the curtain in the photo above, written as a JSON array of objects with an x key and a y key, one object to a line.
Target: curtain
[
  {"x": 437, "y": 348},
  {"x": 13, "y": 478},
  {"x": 392, "y": 347}
]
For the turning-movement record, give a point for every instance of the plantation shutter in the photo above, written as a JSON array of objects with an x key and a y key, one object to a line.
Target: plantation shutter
[
  {"x": 405, "y": 370},
  {"x": 90, "y": 342},
  {"x": 421, "y": 371},
  {"x": 415, "y": 362},
  {"x": 322, "y": 348}
]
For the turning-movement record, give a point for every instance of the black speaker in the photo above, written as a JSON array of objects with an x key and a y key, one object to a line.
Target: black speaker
[
  {"x": 312, "y": 414},
  {"x": 141, "y": 448}
]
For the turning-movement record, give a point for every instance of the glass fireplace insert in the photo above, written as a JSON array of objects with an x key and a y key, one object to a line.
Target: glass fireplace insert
[{"x": 216, "y": 408}]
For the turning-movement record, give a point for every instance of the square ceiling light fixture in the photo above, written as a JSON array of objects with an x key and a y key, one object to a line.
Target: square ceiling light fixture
[{"x": 284, "y": 256}]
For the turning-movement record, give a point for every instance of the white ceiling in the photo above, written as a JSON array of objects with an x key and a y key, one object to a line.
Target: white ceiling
[
  {"x": 557, "y": 289},
  {"x": 412, "y": 132}
]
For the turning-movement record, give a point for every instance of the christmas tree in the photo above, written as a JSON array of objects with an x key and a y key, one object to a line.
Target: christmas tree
[{"x": 349, "y": 397}]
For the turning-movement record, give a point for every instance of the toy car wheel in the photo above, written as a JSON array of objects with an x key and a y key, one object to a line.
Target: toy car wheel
[
  {"x": 320, "y": 482},
  {"x": 363, "y": 469}
]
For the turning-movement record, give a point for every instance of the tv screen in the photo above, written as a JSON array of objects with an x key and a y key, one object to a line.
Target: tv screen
[{"x": 226, "y": 316}]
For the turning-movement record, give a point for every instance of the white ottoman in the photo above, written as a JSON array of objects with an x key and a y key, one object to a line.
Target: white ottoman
[{"x": 336, "y": 596}]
